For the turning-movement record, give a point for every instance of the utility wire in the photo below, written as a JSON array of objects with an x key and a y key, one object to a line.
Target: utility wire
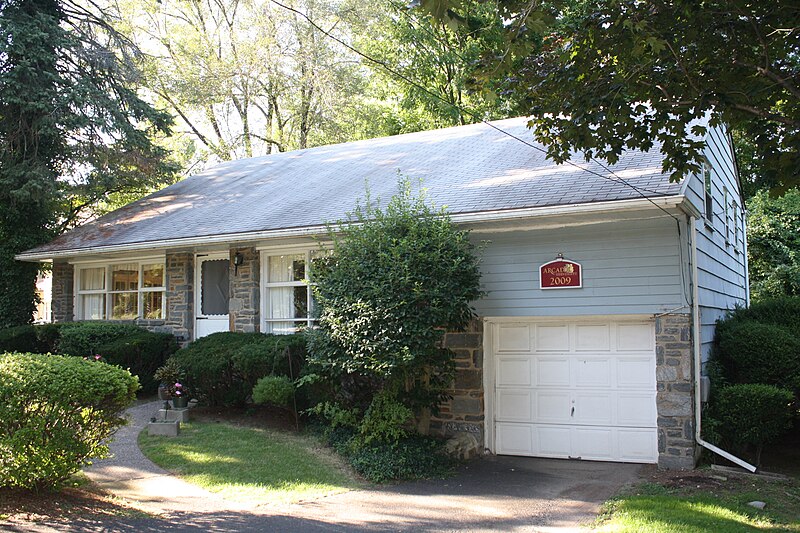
[{"x": 473, "y": 114}]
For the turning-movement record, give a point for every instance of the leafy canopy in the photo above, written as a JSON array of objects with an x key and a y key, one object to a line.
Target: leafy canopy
[
  {"x": 603, "y": 76},
  {"x": 398, "y": 277}
]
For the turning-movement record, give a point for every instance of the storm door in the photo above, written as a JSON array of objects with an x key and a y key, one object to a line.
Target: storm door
[{"x": 212, "y": 284}]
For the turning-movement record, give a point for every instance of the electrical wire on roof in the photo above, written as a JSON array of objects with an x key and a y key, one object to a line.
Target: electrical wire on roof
[{"x": 473, "y": 114}]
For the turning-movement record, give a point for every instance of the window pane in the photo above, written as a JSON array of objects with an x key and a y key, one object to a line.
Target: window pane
[
  {"x": 93, "y": 306},
  {"x": 124, "y": 306},
  {"x": 152, "y": 275},
  {"x": 288, "y": 302},
  {"x": 125, "y": 277},
  {"x": 287, "y": 268},
  {"x": 93, "y": 279},
  {"x": 214, "y": 289},
  {"x": 152, "y": 304},
  {"x": 283, "y": 328}
]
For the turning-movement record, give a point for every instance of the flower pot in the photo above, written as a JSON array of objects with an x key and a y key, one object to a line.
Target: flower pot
[
  {"x": 180, "y": 402},
  {"x": 163, "y": 393}
]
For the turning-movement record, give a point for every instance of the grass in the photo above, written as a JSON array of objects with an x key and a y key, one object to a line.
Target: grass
[
  {"x": 706, "y": 503},
  {"x": 247, "y": 464}
]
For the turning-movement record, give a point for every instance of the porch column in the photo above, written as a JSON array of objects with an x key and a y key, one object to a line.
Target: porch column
[{"x": 245, "y": 291}]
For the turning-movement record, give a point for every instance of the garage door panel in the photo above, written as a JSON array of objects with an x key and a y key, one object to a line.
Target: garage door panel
[
  {"x": 636, "y": 409},
  {"x": 592, "y": 372},
  {"x": 593, "y": 338},
  {"x": 635, "y": 337},
  {"x": 593, "y": 408},
  {"x": 513, "y": 372},
  {"x": 553, "y": 441},
  {"x": 636, "y": 372},
  {"x": 637, "y": 445},
  {"x": 593, "y": 443},
  {"x": 514, "y": 405},
  {"x": 552, "y": 372},
  {"x": 576, "y": 388},
  {"x": 513, "y": 338},
  {"x": 515, "y": 439},
  {"x": 552, "y": 338}
]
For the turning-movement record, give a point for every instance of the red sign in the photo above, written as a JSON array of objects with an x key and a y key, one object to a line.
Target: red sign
[{"x": 560, "y": 274}]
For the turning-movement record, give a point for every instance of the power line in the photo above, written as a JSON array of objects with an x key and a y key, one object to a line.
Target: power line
[{"x": 473, "y": 114}]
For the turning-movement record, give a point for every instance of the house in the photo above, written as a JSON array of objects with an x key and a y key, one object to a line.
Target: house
[{"x": 603, "y": 285}]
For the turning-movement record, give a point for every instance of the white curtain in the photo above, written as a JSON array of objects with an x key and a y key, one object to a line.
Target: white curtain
[
  {"x": 93, "y": 306},
  {"x": 282, "y": 269},
  {"x": 93, "y": 279}
]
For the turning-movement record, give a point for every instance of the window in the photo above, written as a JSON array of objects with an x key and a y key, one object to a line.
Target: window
[
  {"x": 288, "y": 301},
  {"x": 709, "y": 190},
  {"x": 121, "y": 291},
  {"x": 728, "y": 205},
  {"x": 736, "y": 226}
]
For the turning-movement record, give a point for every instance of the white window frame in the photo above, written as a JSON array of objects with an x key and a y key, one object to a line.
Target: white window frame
[
  {"x": 108, "y": 292},
  {"x": 737, "y": 225},
  {"x": 728, "y": 207},
  {"x": 707, "y": 182},
  {"x": 266, "y": 285}
]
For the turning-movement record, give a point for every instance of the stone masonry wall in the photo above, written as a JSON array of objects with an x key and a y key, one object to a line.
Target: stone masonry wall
[
  {"x": 465, "y": 411},
  {"x": 180, "y": 296},
  {"x": 63, "y": 296},
  {"x": 675, "y": 399},
  {"x": 245, "y": 291}
]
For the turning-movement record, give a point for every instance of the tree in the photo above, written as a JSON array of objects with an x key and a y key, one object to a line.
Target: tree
[
  {"x": 773, "y": 245},
  {"x": 397, "y": 279},
  {"x": 73, "y": 132},
  {"x": 604, "y": 76}
]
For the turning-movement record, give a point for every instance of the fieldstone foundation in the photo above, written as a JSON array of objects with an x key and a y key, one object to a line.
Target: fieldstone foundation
[
  {"x": 245, "y": 291},
  {"x": 675, "y": 398},
  {"x": 464, "y": 413},
  {"x": 63, "y": 296}
]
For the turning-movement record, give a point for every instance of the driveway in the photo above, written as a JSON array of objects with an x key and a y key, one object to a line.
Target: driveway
[{"x": 488, "y": 494}]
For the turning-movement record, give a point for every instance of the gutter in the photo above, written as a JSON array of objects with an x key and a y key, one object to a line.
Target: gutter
[
  {"x": 697, "y": 362},
  {"x": 506, "y": 215}
]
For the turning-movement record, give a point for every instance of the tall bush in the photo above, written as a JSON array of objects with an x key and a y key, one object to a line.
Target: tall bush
[
  {"x": 397, "y": 279},
  {"x": 57, "y": 413}
]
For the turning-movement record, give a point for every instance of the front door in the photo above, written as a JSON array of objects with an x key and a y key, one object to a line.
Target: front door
[{"x": 211, "y": 296}]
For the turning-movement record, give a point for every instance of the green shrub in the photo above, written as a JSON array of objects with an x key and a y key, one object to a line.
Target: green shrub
[
  {"x": 142, "y": 353},
  {"x": 274, "y": 390},
  {"x": 754, "y": 352},
  {"x": 20, "y": 339},
  {"x": 751, "y": 415},
  {"x": 415, "y": 457},
  {"x": 223, "y": 368},
  {"x": 384, "y": 420},
  {"x": 57, "y": 413},
  {"x": 85, "y": 338}
]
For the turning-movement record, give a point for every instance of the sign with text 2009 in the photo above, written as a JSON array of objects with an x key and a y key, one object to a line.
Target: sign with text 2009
[{"x": 560, "y": 274}]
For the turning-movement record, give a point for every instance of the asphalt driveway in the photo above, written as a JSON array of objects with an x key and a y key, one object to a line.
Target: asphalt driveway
[{"x": 487, "y": 494}]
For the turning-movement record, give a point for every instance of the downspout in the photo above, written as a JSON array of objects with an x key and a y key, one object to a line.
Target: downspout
[{"x": 698, "y": 362}]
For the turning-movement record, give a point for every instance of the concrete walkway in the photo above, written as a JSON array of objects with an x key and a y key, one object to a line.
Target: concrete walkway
[{"x": 487, "y": 495}]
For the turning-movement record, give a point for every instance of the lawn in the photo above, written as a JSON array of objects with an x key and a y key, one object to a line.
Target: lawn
[
  {"x": 259, "y": 466},
  {"x": 704, "y": 501}
]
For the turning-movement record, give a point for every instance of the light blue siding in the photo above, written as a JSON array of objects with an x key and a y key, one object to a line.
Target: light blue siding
[
  {"x": 721, "y": 254},
  {"x": 628, "y": 268}
]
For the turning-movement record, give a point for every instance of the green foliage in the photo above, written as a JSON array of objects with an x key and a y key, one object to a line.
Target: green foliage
[
  {"x": 416, "y": 457},
  {"x": 69, "y": 136},
  {"x": 274, "y": 390},
  {"x": 385, "y": 420},
  {"x": 337, "y": 416},
  {"x": 222, "y": 368},
  {"x": 142, "y": 353},
  {"x": 773, "y": 245},
  {"x": 20, "y": 339},
  {"x": 612, "y": 75},
  {"x": 85, "y": 338},
  {"x": 57, "y": 413},
  {"x": 397, "y": 279},
  {"x": 760, "y": 344},
  {"x": 751, "y": 415}
]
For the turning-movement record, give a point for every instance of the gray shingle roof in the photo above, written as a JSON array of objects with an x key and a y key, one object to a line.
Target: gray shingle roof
[{"x": 468, "y": 169}]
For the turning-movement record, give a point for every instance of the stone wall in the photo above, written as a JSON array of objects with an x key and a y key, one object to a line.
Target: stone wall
[
  {"x": 63, "y": 296},
  {"x": 179, "y": 317},
  {"x": 245, "y": 291},
  {"x": 464, "y": 413},
  {"x": 675, "y": 398}
]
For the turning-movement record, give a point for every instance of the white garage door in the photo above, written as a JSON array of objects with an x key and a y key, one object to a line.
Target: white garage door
[{"x": 580, "y": 388}]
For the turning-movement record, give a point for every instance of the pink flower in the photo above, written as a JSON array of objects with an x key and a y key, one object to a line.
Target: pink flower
[{"x": 97, "y": 357}]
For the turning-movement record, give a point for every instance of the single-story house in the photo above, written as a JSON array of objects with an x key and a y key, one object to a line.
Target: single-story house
[{"x": 602, "y": 285}]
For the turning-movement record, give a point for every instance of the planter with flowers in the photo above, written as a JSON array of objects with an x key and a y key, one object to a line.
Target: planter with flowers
[{"x": 171, "y": 387}]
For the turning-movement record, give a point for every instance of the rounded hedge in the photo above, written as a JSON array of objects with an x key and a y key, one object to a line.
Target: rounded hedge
[
  {"x": 273, "y": 390},
  {"x": 57, "y": 413}
]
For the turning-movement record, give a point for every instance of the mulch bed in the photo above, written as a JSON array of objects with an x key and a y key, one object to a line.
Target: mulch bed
[
  {"x": 251, "y": 416},
  {"x": 69, "y": 502}
]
